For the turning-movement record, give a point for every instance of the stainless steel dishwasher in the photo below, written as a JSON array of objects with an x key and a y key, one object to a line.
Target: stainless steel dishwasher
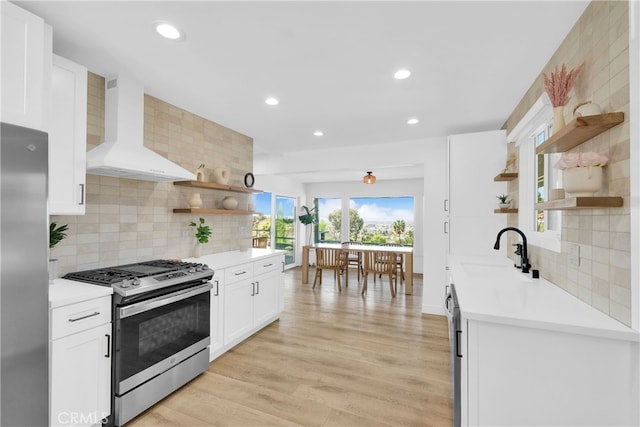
[{"x": 452, "y": 309}]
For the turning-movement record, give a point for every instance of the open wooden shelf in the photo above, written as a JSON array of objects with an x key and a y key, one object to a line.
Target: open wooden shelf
[
  {"x": 581, "y": 203},
  {"x": 215, "y": 186},
  {"x": 213, "y": 211},
  {"x": 506, "y": 211},
  {"x": 506, "y": 176},
  {"x": 578, "y": 131}
]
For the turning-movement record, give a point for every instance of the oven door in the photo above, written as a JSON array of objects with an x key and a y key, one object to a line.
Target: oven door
[{"x": 156, "y": 334}]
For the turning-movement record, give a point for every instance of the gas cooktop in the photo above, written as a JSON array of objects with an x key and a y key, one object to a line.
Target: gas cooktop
[{"x": 132, "y": 279}]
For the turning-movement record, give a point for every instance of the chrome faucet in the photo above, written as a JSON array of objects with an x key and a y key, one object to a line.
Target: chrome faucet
[{"x": 524, "y": 260}]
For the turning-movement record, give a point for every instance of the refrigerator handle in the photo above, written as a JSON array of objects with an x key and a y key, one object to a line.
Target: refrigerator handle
[
  {"x": 81, "y": 194},
  {"x": 108, "y": 355}
]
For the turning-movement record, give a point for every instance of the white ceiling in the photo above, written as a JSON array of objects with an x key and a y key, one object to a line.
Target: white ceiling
[{"x": 330, "y": 63}]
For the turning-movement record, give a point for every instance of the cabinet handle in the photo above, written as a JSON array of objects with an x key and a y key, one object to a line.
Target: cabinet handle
[
  {"x": 458, "y": 335},
  {"x": 108, "y": 355},
  {"x": 268, "y": 265},
  {"x": 283, "y": 266},
  {"x": 216, "y": 294},
  {"x": 81, "y": 194},
  {"x": 253, "y": 288},
  {"x": 446, "y": 205},
  {"x": 84, "y": 317},
  {"x": 446, "y": 227},
  {"x": 258, "y": 287},
  {"x": 240, "y": 273}
]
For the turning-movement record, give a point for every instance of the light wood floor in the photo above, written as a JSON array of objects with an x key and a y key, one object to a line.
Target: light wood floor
[{"x": 331, "y": 360}]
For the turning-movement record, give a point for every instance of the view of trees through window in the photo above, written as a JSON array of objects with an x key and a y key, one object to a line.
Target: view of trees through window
[{"x": 372, "y": 220}]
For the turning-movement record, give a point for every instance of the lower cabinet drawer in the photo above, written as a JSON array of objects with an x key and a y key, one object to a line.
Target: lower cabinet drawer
[
  {"x": 237, "y": 272},
  {"x": 74, "y": 318},
  {"x": 266, "y": 265}
]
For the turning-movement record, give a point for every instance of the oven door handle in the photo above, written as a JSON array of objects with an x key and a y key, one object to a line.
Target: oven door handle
[{"x": 147, "y": 305}]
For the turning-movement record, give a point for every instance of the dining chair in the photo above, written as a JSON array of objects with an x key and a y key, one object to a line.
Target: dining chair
[
  {"x": 330, "y": 259},
  {"x": 354, "y": 257},
  {"x": 260, "y": 242},
  {"x": 379, "y": 263},
  {"x": 399, "y": 259}
]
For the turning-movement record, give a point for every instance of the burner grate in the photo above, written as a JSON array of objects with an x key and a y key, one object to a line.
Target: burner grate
[{"x": 104, "y": 276}]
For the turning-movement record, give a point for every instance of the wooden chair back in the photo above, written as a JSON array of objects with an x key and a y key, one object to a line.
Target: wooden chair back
[{"x": 330, "y": 258}]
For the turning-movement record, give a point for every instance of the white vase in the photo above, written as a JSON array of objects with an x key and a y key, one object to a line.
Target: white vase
[
  {"x": 582, "y": 182},
  {"x": 195, "y": 201},
  {"x": 197, "y": 250},
  {"x": 229, "y": 203},
  {"x": 558, "y": 118},
  {"x": 221, "y": 175},
  {"x": 504, "y": 205}
]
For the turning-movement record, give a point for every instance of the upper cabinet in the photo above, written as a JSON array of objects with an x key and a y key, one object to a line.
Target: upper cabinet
[
  {"x": 67, "y": 138},
  {"x": 26, "y": 62}
]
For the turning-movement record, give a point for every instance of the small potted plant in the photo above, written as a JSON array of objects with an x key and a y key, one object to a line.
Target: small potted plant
[
  {"x": 203, "y": 232},
  {"x": 309, "y": 219},
  {"x": 56, "y": 235},
  {"x": 504, "y": 201}
]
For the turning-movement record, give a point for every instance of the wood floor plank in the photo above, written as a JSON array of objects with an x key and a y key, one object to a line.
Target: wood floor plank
[{"x": 333, "y": 359}]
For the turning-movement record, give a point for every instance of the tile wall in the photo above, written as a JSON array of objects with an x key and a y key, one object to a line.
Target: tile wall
[
  {"x": 600, "y": 39},
  {"x": 128, "y": 220}
]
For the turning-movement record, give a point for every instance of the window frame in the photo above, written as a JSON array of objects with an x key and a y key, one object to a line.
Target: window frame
[{"x": 539, "y": 116}]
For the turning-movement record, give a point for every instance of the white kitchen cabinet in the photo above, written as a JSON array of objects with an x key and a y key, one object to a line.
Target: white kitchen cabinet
[
  {"x": 474, "y": 160},
  {"x": 80, "y": 362},
  {"x": 26, "y": 57},
  {"x": 217, "y": 319},
  {"x": 252, "y": 297},
  {"x": 460, "y": 219},
  {"x": 268, "y": 279},
  {"x": 68, "y": 138},
  {"x": 238, "y": 310},
  {"x": 521, "y": 376}
]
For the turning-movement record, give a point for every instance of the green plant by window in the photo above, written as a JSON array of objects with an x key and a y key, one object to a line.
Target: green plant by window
[
  {"x": 203, "y": 232},
  {"x": 503, "y": 198},
  {"x": 310, "y": 217},
  {"x": 57, "y": 234}
]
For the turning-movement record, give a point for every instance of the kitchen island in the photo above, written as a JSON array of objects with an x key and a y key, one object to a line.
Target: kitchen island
[{"x": 532, "y": 354}]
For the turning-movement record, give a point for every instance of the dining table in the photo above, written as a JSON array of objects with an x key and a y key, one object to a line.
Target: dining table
[{"x": 406, "y": 251}]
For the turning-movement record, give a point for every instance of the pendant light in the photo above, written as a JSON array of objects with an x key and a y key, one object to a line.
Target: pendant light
[{"x": 369, "y": 178}]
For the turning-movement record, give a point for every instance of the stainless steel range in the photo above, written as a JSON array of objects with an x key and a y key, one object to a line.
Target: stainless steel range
[{"x": 161, "y": 312}]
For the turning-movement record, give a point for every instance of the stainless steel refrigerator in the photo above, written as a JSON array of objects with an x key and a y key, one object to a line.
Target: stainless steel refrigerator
[{"x": 24, "y": 300}]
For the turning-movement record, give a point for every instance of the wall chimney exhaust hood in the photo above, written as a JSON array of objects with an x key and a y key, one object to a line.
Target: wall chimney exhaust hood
[{"x": 123, "y": 154}]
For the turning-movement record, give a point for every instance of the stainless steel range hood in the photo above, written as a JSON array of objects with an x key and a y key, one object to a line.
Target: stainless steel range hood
[{"x": 123, "y": 154}]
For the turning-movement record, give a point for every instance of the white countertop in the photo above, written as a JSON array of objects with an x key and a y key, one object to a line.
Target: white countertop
[
  {"x": 228, "y": 259},
  {"x": 490, "y": 289},
  {"x": 65, "y": 292}
]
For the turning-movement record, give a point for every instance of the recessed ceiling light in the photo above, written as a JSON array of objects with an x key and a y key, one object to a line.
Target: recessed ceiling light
[
  {"x": 413, "y": 121},
  {"x": 168, "y": 31},
  {"x": 402, "y": 74},
  {"x": 318, "y": 133},
  {"x": 271, "y": 101}
]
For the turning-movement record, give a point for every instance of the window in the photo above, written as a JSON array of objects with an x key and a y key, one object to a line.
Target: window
[
  {"x": 547, "y": 178},
  {"x": 537, "y": 176},
  {"x": 262, "y": 219},
  {"x": 329, "y": 220},
  {"x": 376, "y": 220}
]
